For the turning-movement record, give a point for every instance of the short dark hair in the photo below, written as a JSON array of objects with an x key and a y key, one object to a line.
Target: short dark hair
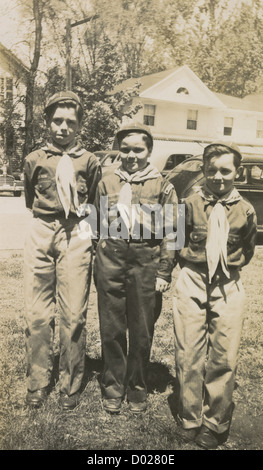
[
  {"x": 217, "y": 150},
  {"x": 67, "y": 103}
]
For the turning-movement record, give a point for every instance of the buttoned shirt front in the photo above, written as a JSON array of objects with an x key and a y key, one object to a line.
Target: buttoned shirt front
[
  {"x": 241, "y": 241},
  {"x": 40, "y": 179}
]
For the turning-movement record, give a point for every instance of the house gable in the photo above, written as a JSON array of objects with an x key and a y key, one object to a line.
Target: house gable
[
  {"x": 10, "y": 65},
  {"x": 182, "y": 86}
]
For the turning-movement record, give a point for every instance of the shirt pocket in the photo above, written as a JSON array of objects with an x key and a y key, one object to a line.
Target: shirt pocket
[
  {"x": 197, "y": 241},
  {"x": 150, "y": 202},
  {"x": 46, "y": 193},
  {"x": 45, "y": 188}
]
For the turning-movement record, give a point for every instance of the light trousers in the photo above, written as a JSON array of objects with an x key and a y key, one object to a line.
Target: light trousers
[
  {"x": 57, "y": 266},
  {"x": 208, "y": 320}
]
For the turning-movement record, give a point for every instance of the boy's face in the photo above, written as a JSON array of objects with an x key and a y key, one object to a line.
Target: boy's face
[
  {"x": 134, "y": 152},
  {"x": 220, "y": 173},
  {"x": 64, "y": 126}
]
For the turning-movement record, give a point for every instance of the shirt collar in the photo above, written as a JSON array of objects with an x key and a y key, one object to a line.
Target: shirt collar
[
  {"x": 210, "y": 198},
  {"x": 147, "y": 173},
  {"x": 74, "y": 150}
]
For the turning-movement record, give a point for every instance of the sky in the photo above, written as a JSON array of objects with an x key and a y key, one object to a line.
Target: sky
[
  {"x": 9, "y": 21},
  {"x": 13, "y": 26}
]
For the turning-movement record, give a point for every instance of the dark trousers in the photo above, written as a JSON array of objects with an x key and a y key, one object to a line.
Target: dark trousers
[{"x": 125, "y": 279}]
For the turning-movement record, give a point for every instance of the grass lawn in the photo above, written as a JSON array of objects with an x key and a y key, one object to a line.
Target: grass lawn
[{"x": 89, "y": 427}]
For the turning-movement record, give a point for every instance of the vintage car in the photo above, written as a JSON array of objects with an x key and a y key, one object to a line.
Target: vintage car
[
  {"x": 187, "y": 175},
  {"x": 164, "y": 162},
  {"x": 10, "y": 184},
  {"x": 102, "y": 154},
  {"x": 109, "y": 160}
]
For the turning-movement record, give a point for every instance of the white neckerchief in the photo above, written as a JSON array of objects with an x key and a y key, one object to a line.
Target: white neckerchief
[
  {"x": 66, "y": 184},
  {"x": 216, "y": 245},
  {"x": 65, "y": 174},
  {"x": 218, "y": 229},
  {"x": 124, "y": 203}
]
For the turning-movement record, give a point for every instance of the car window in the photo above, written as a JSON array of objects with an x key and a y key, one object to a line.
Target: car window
[
  {"x": 242, "y": 175},
  {"x": 256, "y": 174},
  {"x": 110, "y": 159},
  {"x": 170, "y": 163},
  {"x": 175, "y": 160}
]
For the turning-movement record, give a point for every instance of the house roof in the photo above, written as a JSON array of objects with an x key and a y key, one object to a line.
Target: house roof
[
  {"x": 255, "y": 101},
  {"x": 164, "y": 86},
  {"x": 13, "y": 58},
  {"x": 252, "y": 102},
  {"x": 249, "y": 103},
  {"x": 146, "y": 81},
  {"x": 231, "y": 101}
]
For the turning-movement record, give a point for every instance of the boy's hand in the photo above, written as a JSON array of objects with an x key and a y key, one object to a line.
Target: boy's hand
[{"x": 161, "y": 285}]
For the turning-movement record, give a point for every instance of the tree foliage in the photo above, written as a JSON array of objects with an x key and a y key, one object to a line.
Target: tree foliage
[
  {"x": 11, "y": 134},
  {"x": 221, "y": 42},
  {"x": 94, "y": 81},
  {"x": 230, "y": 51},
  {"x": 95, "y": 84}
]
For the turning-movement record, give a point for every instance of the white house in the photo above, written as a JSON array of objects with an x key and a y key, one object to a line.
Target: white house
[
  {"x": 185, "y": 114},
  {"x": 13, "y": 74}
]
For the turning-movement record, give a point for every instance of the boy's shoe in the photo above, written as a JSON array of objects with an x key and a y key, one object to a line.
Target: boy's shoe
[
  {"x": 188, "y": 435},
  {"x": 137, "y": 407},
  {"x": 36, "y": 398},
  {"x": 112, "y": 405},
  {"x": 69, "y": 402},
  {"x": 207, "y": 438}
]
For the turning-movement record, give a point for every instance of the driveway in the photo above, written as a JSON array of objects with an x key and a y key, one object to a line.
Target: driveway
[{"x": 14, "y": 221}]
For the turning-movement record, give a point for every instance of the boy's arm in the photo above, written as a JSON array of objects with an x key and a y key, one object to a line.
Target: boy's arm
[
  {"x": 93, "y": 177},
  {"x": 249, "y": 238},
  {"x": 167, "y": 252},
  {"x": 28, "y": 186},
  {"x": 100, "y": 191}
]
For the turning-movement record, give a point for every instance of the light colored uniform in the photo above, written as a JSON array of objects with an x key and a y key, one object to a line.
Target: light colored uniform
[
  {"x": 208, "y": 316},
  {"x": 57, "y": 267}
]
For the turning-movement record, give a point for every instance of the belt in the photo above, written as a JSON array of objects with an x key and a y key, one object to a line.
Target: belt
[
  {"x": 150, "y": 242},
  {"x": 59, "y": 216}
]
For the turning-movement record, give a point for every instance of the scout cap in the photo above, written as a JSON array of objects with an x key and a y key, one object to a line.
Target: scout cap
[
  {"x": 63, "y": 96},
  {"x": 134, "y": 127},
  {"x": 230, "y": 145}
]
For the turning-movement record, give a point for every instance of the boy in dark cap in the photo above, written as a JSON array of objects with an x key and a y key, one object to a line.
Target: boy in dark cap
[
  {"x": 131, "y": 269},
  {"x": 209, "y": 299},
  {"x": 60, "y": 179}
]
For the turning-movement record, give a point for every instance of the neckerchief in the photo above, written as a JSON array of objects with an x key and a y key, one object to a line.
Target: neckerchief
[
  {"x": 75, "y": 150},
  {"x": 124, "y": 204},
  {"x": 147, "y": 173},
  {"x": 218, "y": 229},
  {"x": 65, "y": 175}
]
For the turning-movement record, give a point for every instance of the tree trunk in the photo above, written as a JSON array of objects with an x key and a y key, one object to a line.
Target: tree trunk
[{"x": 29, "y": 105}]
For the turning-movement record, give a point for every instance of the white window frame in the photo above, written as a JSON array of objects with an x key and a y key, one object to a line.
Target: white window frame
[
  {"x": 228, "y": 125},
  {"x": 149, "y": 112},
  {"x": 192, "y": 119}
]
